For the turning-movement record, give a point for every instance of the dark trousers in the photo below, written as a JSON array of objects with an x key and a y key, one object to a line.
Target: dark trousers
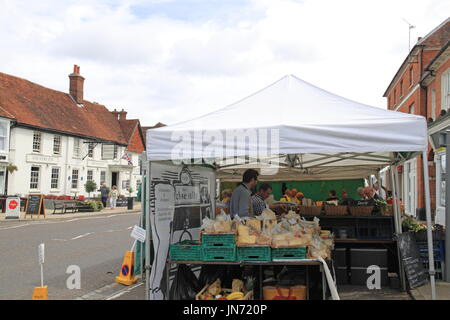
[{"x": 104, "y": 201}]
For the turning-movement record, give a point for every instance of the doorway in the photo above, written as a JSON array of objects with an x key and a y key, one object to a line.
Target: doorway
[{"x": 114, "y": 178}]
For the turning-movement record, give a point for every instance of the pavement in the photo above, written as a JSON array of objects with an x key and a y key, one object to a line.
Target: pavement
[
  {"x": 349, "y": 292},
  {"x": 49, "y": 215},
  {"x": 94, "y": 242},
  {"x": 424, "y": 292}
]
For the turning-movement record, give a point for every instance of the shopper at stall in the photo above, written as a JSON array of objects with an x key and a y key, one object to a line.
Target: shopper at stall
[
  {"x": 259, "y": 199},
  {"x": 240, "y": 203}
]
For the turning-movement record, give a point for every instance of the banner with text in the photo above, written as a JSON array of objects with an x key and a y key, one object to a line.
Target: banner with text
[{"x": 180, "y": 198}]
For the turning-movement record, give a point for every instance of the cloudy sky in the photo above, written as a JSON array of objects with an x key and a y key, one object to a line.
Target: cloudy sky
[{"x": 172, "y": 60}]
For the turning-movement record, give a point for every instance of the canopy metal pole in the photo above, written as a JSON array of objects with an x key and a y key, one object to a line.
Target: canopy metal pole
[
  {"x": 447, "y": 208},
  {"x": 398, "y": 226},
  {"x": 148, "y": 242},
  {"x": 426, "y": 183}
]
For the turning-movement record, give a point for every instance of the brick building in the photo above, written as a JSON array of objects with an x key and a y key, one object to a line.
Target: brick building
[{"x": 409, "y": 92}]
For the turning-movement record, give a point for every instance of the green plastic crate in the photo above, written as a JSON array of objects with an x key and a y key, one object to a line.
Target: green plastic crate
[
  {"x": 219, "y": 254},
  {"x": 218, "y": 240},
  {"x": 187, "y": 250},
  {"x": 254, "y": 253},
  {"x": 288, "y": 253}
]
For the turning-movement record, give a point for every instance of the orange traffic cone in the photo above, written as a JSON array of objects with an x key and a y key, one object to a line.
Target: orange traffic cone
[
  {"x": 40, "y": 293},
  {"x": 126, "y": 275}
]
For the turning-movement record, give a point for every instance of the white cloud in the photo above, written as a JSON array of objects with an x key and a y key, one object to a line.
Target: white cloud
[{"x": 171, "y": 67}]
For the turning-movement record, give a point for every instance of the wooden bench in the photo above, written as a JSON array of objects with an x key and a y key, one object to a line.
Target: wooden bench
[{"x": 58, "y": 205}]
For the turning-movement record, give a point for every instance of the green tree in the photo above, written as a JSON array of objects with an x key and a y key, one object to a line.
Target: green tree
[{"x": 90, "y": 186}]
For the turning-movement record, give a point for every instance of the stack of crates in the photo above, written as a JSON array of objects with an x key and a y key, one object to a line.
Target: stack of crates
[
  {"x": 219, "y": 247},
  {"x": 187, "y": 250},
  {"x": 289, "y": 253},
  {"x": 254, "y": 253},
  {"x": 439, "y": 256}
]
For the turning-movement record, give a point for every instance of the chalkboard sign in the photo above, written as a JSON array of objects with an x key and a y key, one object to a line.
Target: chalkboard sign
[
  {"x": 415, "y": 272},
  {"x": 35, "y": 205}
]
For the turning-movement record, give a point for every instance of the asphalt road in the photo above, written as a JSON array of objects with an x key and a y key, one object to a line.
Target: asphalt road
[{"x": 95, "y": 244}]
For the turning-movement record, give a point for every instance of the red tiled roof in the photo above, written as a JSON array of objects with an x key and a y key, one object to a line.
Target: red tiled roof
[
  {"x": 34, "y": 105},
  {"x": 132, "y": 132}
]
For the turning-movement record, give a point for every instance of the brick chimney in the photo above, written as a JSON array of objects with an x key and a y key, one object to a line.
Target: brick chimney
[
  {"x": 115, "y": 113},
  {"x": 123, "y": 115},
  {"x": 76, "y": 85}
]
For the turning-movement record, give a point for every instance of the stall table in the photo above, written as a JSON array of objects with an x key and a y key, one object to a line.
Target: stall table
[{"x": 299, "y": 262}]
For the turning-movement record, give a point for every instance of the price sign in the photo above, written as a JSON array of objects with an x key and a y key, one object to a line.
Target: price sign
[{"x": 138, "y": 233}]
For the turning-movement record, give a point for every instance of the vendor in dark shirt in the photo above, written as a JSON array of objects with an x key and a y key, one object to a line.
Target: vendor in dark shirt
[
  {"x": 332, "y": 196},
  {"x": 345, "y": 199}
]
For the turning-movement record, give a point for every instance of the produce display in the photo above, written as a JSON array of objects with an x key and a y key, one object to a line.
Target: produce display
[
  {"x": 215, "y": 291},
  {"x": 291, "y": 231}
]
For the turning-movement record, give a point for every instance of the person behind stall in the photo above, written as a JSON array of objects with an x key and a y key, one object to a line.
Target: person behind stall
[
  {"x": 240, "y": 203},
  {"x": 259, "y": 199},
  {"x": 332, "y": 196},
  {"x": 345, "y": 198},
  {"x": 361, "y": 193}
]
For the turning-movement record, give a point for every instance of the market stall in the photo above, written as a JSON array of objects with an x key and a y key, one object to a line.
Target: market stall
[{"x": 331, "y": 137}]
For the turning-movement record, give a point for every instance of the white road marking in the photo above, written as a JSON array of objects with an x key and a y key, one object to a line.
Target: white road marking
[
  {"x": 123, "y": 291},
  {"x": 59, "y": 239},
  {"x": 82, "y": 236},
  {"x": 130, "y": 228}
]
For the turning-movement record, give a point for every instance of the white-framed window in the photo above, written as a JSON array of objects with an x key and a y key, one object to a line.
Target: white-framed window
[
  {"x": 410, "y": 186},
  {"x": 76, "y": 147},
  {"x": 75, "y": 175},
  {"x": 90, "y": 175},
  {"x": 445, "y": 90},
  {"x": 56, "y": 144},
  {"x": 54, "y": 183},
  {"x": 4, "y": 135},
  {"x": 34, "y": 177},
  {"x": 37, "y": 137},
  {"x": 91, "y": 147},
  {"x": 102, "y": 177}
]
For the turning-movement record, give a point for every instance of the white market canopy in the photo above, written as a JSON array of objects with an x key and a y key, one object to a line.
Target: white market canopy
[{"x": 318, "y": 134}]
